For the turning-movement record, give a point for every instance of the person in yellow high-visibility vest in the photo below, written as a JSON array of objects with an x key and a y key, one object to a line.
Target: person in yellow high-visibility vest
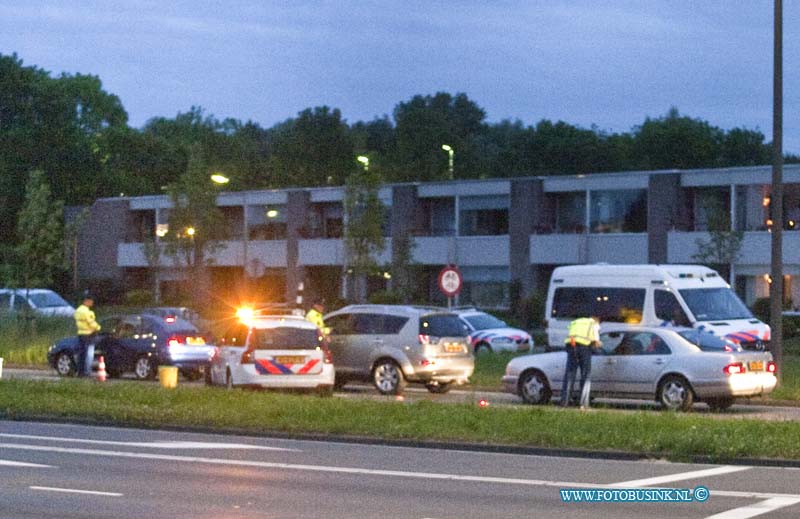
[
  {"x": 87, "y": 327},
  {"x": 314, "y": 315},
  {"x": 582, "y": 338}
]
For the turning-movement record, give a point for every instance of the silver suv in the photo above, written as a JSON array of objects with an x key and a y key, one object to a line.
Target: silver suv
[{"x": 393, "y": 344}]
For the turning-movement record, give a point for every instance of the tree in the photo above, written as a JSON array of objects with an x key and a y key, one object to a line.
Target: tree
[
  {"x": 40, "y": 231},
  {"x": 363, "y": 233},
  {"x": 403, "y": 282},
  {"x": 678, "y": 142},
  {"x": 724, "y": 244},
  {"x": 196, "y": 224}
]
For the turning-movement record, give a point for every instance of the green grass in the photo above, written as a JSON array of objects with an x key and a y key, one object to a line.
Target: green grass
[
  {"x": 662, "y": 434},
  {"x": 489, "y": 369},
  {"x": 25, "y": 342}
]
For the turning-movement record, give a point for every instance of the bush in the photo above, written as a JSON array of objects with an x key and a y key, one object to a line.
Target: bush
[
  {"x": 791, "y": 324},
  {"x": 139, "y": 297},
  {"x": 385, "y": 297},
  {"x": 761, "y": 309},
  {"x": 533, "y": 308}
]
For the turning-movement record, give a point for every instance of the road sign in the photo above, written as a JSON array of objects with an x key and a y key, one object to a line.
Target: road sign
[{"x": 450, "y": 281}]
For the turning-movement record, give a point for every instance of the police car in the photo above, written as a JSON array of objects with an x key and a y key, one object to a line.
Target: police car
[
  {"x": 487, "y": 333},
  {"x": 274, "y": 351}
]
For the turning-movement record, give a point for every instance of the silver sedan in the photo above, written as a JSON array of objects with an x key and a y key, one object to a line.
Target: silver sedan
[{"x": 649, "y": 363}]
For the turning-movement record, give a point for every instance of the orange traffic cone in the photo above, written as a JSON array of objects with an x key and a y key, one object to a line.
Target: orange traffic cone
[{"x": 101, "y": 369}]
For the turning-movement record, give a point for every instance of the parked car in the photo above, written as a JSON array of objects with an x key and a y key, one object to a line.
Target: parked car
[
  {"x": 487, "y": 333},
  {"x": 707, "y": 341},
  {"x": 391, "y": 345},
  {"x": 40, "y": 301},
  {"x": 647, "y": 363},
  {"x": 279, "y": 351},
  {"x": 140, "y": 343}
]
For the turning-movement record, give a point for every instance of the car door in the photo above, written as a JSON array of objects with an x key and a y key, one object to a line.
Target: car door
[
  {"x": 640, "y": 359},
  {"x": 128, "y": 342},
  {"x": 106, "y": 345},
  {"x": 604, "y": 360},
  {"x": 341, "y": 337},
  {"x": 367, "y": 337}
]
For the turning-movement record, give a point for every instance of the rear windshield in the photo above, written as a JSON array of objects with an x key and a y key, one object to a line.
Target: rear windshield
[
  {"x": 285, "y": 338},
  {"x": 442, "y": 325},
  {"x": 47, "y": 300}
]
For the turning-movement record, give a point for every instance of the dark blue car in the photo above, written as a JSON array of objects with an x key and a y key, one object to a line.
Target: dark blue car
[{"x": 139, "y": 343}]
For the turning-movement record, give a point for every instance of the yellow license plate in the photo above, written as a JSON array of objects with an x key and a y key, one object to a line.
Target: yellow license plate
[
  {"x": 453, "y": 348},
  {"x": 195, "y": 341},
  {"x": 290, "y": 359},
  {"x": 756, "y": 365}
]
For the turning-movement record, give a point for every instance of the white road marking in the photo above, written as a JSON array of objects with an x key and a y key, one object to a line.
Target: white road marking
[
  {"x": 355, "y": 470},
  {"x": 682, "y": 476},
  {"x": 9, "y": 463},
  {"x": 153, "y": 445},
  {"x": 763, "y": 507},
  {"x": 76, "y": 491}
]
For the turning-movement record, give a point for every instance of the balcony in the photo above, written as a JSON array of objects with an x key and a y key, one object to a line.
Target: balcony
[
  {"x": 464, "y": 250},
  {"x": 322, "y": 251},
  {"x": 230, "y": 254},
  {"x": 756, "y": 247},
  {"x": 561, "y": 249}
]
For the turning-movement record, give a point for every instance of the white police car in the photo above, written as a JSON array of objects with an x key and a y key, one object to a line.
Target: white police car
[{"x": 487, "y": 333}]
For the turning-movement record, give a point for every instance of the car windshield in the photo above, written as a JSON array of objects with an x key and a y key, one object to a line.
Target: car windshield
[
  {"x": 715, "y": 304},
  {"x": 706, "y": 341},
  {"x": 484, "y": 321},
  {"x": 47, "y": 300},
  {"x": 285, "y": 338}
]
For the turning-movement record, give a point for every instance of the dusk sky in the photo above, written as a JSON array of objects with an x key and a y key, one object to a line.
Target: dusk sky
[{"x": 608, "y": 63}]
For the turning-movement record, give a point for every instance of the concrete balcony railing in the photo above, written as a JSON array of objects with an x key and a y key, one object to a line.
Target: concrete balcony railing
[
  {"x": 756, "y": 247},
  {"x": 324, "y": 251},
  {"x": 561, "y": 249},
  {"x": 462, "y": 250},
  {"x": 228, "y": 254}
]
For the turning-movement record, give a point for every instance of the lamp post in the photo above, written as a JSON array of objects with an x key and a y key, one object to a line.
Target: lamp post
[
  {"x": 364, "y": 160},
  {"x": 776, "y": 197},
  {"x": 450, "y": 153}
]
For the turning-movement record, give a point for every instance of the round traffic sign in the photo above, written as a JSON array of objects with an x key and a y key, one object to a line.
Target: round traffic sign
[{"x": 450, "y": 281}]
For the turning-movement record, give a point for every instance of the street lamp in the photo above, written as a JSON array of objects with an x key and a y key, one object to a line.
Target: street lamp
[
  {"x": 219, "y": 178},
  {"x": 190, "y": 231},
  {"x": 450, "y": 153},
  {"x": 364, "y": 160}
]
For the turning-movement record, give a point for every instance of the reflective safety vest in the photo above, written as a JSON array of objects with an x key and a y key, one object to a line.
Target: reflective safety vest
[
  {"x": 85, "y": 321},
  {"x": 315, "y": 317},
  {"x": 580, "y": 332}
]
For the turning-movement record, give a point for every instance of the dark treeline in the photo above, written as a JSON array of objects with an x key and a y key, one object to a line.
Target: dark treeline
[{"x": 78, "y": 135}]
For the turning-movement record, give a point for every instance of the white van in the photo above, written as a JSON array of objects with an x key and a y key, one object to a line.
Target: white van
[
  {"x": 651, "y": 295},
  {"x": 37, "y": 300}
]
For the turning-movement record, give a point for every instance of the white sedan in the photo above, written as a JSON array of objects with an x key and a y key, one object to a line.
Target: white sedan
[
  {"x": 282, "y": 351},
  {"x": 649, "y": 363}
]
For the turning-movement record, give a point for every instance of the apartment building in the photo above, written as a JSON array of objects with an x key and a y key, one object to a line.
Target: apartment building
[{"x": 506, "y": 235}]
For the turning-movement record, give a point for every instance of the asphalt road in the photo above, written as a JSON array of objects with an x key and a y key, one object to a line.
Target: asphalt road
[
  {"x": 69, "y": 471},
  {"x": 469, "y": 395}
]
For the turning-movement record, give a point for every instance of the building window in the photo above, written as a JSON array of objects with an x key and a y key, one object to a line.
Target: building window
[
  {"x": 234, "y": 222},
  {"x": 266, "y": 222},
  {"x": 487, "y": 287},
  {"x": 325, "y": 220},
  {"x": 570, "y": 212},
  {"x": 483, "y": 215},
  {"x": 619, "y": 211},
  {"x": 435, "y": 217},
  {"x": 712, "y": 209}
]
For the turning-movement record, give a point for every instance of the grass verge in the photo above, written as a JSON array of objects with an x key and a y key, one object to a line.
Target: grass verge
[
  {"x": 667, "y": 435},
  {"x": 25, "y": 342}
]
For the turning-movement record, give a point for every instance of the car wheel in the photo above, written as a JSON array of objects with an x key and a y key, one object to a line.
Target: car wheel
[
  {"x": 719, "y": 404},
  {"x": 482, "y": 348},
  {"x": 65, "y": 365},
  {"x": 675, "y": 394},
  {"x": 144, "y": 368},
  {"x": 228, "y": 379},
  {"x": 388, "y": 377},
  {"x": 439, "y": 388},
  {"x": 534, "y": 388}
]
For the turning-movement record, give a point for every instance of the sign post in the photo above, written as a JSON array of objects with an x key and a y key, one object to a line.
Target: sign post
[{"x": 450, "y": 283}]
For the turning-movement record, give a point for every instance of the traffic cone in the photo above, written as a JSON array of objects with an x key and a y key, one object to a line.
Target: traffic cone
[{"x": 101, "y": 369}]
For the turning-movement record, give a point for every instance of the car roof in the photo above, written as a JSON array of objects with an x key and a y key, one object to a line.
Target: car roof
[
  {"x": 406, "y": 310},
  {"x": 263, "y": 322}
]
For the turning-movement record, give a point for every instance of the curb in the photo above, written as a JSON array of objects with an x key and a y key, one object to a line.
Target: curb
[{"x": 418, "y": 444}]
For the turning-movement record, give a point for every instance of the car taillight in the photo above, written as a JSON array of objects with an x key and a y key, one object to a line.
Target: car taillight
[
  {"x": 771, "y": 367},
  {"x": 728, "y": 348},
  {"x": 428, "y": 339},
  {"x": 175, "y": 341},
  {"x": 733, "y": 369},
  {"x": 247, "y": 357},
  {"x": 327, "y": 356}
]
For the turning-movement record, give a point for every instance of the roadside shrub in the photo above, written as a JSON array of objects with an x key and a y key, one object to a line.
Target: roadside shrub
[
  {"x": 761, "y": 309},
  {"x": 791, "y": 324}
]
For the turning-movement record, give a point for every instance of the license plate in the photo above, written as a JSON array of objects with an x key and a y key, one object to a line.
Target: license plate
[
  {"x": 453, "y": 348},
  {"x": 195, "y": 341},
  {"x": 756, "y": 365},
  {"x": 290, "y": 359}
]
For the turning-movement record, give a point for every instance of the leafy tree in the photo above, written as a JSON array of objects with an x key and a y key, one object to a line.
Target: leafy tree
[
  {"x": 363, "y": 236},
  {"x": 314, "y": 149},
  {"x": 676, "y": 141},
  {"x": 196, "y": 224},
  {"x": 724, "y": 244},
  {"x": 40, "y": 229}
]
